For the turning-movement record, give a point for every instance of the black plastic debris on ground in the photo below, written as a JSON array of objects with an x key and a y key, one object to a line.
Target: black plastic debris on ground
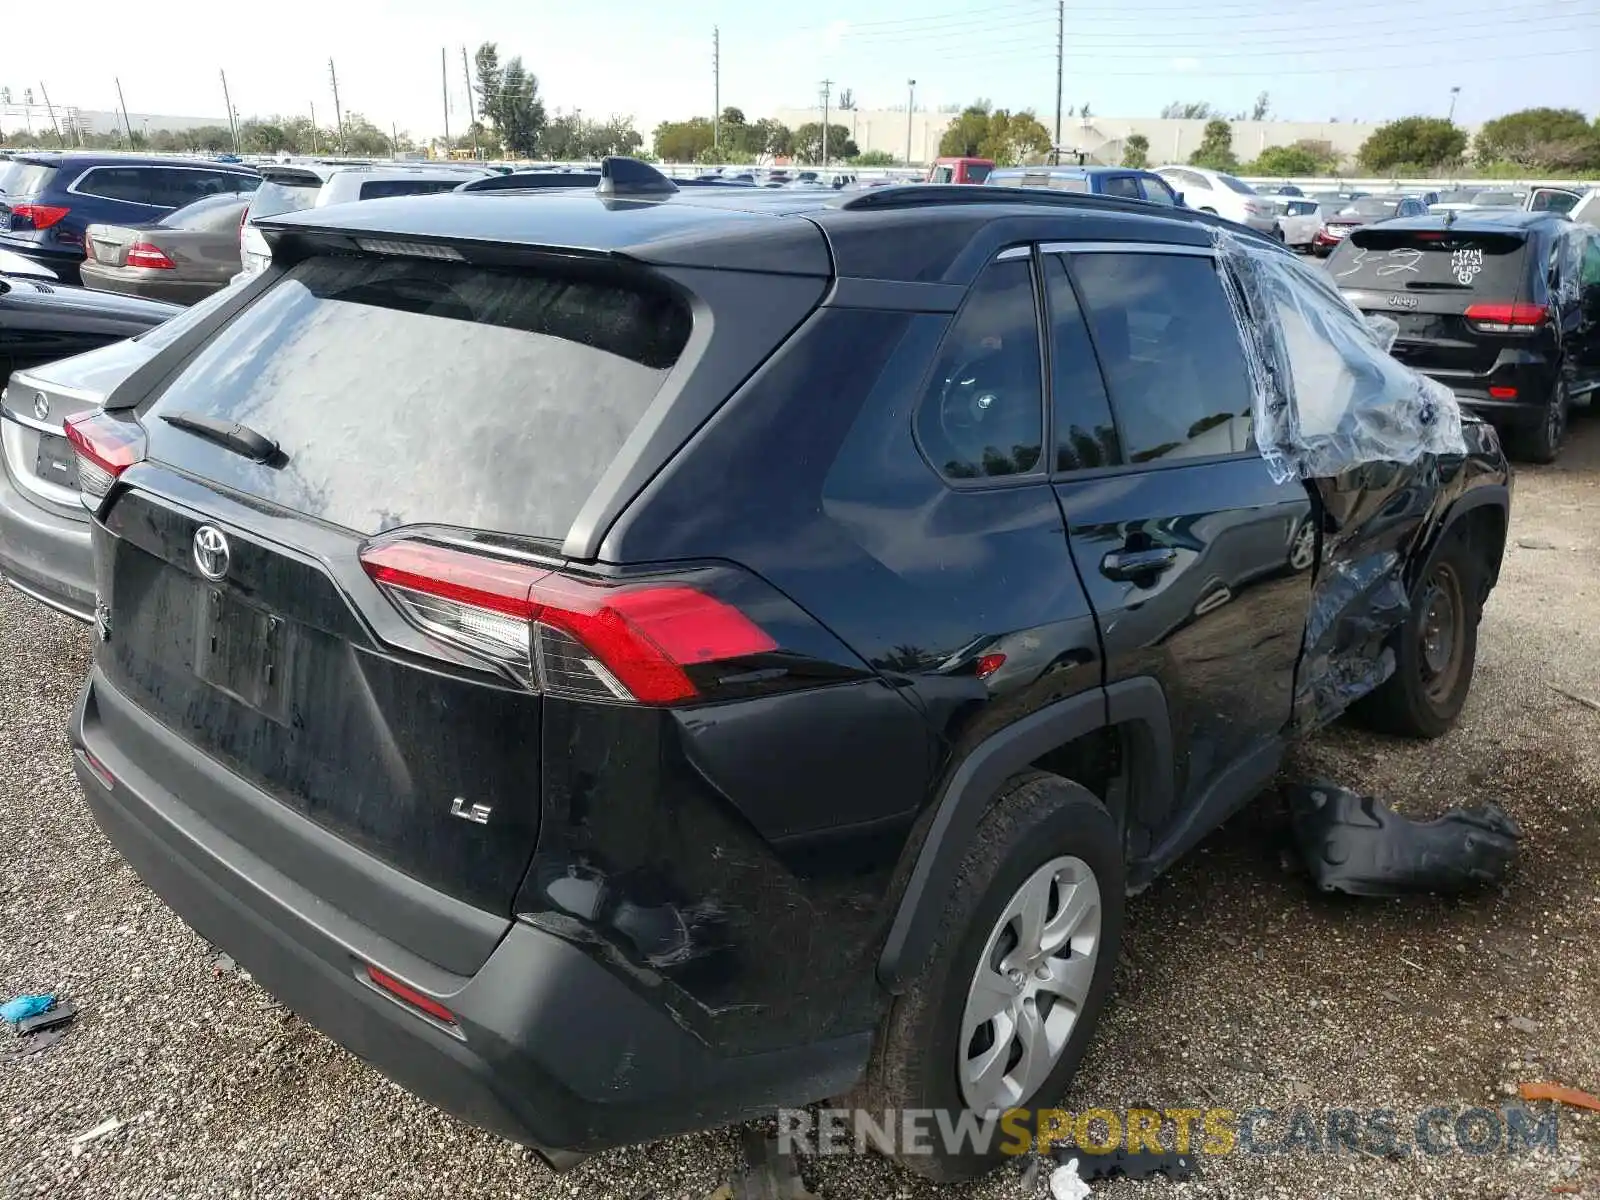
[
  {"x": 1127, "y": 1164},
  {"x": 1359, "y": 846},
  {"x": 769, "y": 1174}
]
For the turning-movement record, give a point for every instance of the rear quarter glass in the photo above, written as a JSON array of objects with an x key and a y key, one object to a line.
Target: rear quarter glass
[
  {"x": 1483, "y": 264},
  {"x": 403, "y": 391}
]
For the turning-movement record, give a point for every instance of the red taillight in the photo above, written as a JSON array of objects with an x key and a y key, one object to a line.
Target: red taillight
[
  {"x": 1503, "y": 393},
  {"x": 41, "y": 215},
  {"x": 143, "y": 254},
  {"x": 106, "y": 448},
  {"x": 571, "y": 636},
  {"x": 410, "y": 995},
  {"x": 99, "y": 770},
  {"x": 1507, "y": 318}
]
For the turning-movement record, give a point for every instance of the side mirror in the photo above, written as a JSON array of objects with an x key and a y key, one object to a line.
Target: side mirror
[{"x": 1178, "y": 196}]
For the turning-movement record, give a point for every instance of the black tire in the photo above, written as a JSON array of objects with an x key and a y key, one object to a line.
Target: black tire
[
  {"x": 1540, "y": 441},
  {"x": 1036, "y": 819},
  {"x": 1424, "y": 695}
]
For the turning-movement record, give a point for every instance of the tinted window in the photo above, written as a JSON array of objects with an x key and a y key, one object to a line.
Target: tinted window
[
  {"x": 179, "y": 186},
  {"x": 1186, "y": 180},
  {"x": 135, "y": 185},
  {"x": 19, "y": 178},
  {"x": 1156, "y": 192},
  {"x": 1121, "y": 185},
  {"x": 1085, "y": 434},
  {"x": 1171, "y": 352},
  {"x": 406, "y": 391},
  {"x": 376, "y": 189},
  {"x": 978, "y": 172},
  {"x": 1549, "y": 200},
  {"x": 1393, "y": 260},
  {"x": 1374, "y": 207},
  {"x": 983, "y": 412},
  {"x": 1236, "y": 185},
  {"x": 213, "y": 214}
]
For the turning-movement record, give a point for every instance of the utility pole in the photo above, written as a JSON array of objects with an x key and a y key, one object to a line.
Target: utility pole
[
  {"x": 314, "y": 147},
  {"x": 444, "y": 90},
  {"x": 911, "y": 107},
  {"x": 338, "y": 113},
  {"x": 472, "y": 116},
  {"x": 233, "y": 126},
  {"x": 51, "y": 110},
  {"x": 1061, "y": 58},
  {"x": 716, "y": 88},
  {"x": 126, "y": 127},
  {"x": 394, "y": 141},
  {"x": 1454, "y": 92},
  {"x": 827, "y": 93}
]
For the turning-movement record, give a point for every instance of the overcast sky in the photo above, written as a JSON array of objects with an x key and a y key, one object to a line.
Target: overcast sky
[{"x": 1357, "y": 59}]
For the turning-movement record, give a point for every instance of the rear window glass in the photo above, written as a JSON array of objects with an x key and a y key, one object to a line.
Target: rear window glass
[
  {"x": 377, "y": 189},
  {"x": 1488, "y": 264},
  {"x": 1237, "y": 185},
  {"x": 404, "y": 391},
  {"x": 209, "y": 215},
  {"x": 273, "y": 199},
  {"x": 978, "y": 172},
  {"x": 24, "y": 178}
]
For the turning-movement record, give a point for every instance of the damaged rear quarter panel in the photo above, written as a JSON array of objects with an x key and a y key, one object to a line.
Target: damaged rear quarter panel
[{"x": 1381, "y": 522}]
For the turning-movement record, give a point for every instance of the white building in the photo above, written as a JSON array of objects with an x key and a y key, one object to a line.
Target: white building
[{"x": 36, "y": 119}]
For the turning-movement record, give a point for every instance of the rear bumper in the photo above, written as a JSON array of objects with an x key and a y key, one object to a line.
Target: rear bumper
[
  {"x": 1533, "y": 380},
  {"x": 147, "y": 284},
  {"x": 43, "y": 554},
  {"x": 550, "y": 1049}
]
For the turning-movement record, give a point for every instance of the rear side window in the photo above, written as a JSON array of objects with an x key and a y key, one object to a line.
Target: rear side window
[
  {"x": 180, "y": 186},
  {"x": 1121, "y": 185},
  {"x": 1236, "y": 185},
  {"x": 982, "y": 415},
  {"x": 132, "y": 185},
  {"x": 1485, "y": 264},
  {"x": 1085, "y": 434},
  {"x": 1171, "y": 351},
  {"x": 404, "y": 391},
  {"x": 377, "y": 189},
  {"x": 978, "y": 172},
  {"x": 18, "y": 178}
]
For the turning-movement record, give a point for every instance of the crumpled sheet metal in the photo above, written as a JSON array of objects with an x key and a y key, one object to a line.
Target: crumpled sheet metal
[
  {"x": 1355, "y": 605},
  {"x": 1357, "y": 845},
  {"x": 1326, "y": 394}
]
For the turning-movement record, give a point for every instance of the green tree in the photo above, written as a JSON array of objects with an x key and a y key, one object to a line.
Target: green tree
[
  {"x": 1541, "y": 139},
  {"x": 682, "y": 141},
  {"x": 982, "y": 131},
  {"x": 876, "y": 158},
  {"x": 520, "y": 116},
  {"x": 364, "y": 139},
  {"x": 1136, "y": 151},
  {"x": 1216, "y": 147},
  {"x": 1180, "y": 110},
  {"x": 769, "y": 139},
  {"x": 808, "y": 143},
  {"x": 1262, "y": 108},
  {"x": 1288, "y": 160},
  {"x": 486, "y": 64},
  {"x": 1427, "y": 142}
]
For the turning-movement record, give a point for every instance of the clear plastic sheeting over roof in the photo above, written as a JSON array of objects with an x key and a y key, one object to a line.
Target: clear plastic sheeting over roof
[{"x": 1327, "y": 396}]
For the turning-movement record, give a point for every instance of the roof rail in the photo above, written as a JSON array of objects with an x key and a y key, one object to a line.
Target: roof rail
[
  {"x": 622, "y": 177},
  {"x": 916, "y": 195}
]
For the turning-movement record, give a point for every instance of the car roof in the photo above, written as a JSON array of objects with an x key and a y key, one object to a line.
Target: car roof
[
  {"x": 1480, "y": 220},
  {"x": 72, "y": 158},
  {"x": 920, "y": 233}
]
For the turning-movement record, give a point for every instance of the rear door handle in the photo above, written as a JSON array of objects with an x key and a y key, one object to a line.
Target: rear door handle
[{"x": 1134, "y": 565}]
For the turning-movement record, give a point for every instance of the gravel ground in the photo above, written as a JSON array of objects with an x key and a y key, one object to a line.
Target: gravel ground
[{"x": 1239, "y": 987}]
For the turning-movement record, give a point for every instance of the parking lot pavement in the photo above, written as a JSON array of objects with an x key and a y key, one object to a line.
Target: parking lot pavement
[{"x": 1239, "y": 987}]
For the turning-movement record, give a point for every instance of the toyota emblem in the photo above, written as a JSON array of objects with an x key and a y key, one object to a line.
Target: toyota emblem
[
  {"x": 41, "y": 406},
  {"x": 211, "y": 552}
]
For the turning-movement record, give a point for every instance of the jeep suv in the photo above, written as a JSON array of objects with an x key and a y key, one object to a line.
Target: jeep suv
[
  {"x": 1501, "y": 306},
  {"x": 623, "y": 662}
]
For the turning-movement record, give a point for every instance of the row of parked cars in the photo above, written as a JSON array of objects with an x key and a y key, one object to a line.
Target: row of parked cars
[{"x": 541, "y": 631}]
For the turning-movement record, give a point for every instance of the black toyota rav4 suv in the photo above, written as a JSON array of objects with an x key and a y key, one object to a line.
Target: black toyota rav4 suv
[{"x": 624, "y": 662}]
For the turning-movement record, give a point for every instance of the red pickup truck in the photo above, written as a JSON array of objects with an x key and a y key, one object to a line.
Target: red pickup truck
[{"x": 960, "y": 170}]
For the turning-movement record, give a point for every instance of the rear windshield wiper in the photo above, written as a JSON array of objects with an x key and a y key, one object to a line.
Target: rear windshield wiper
[{"x": 230, "y": 435}]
